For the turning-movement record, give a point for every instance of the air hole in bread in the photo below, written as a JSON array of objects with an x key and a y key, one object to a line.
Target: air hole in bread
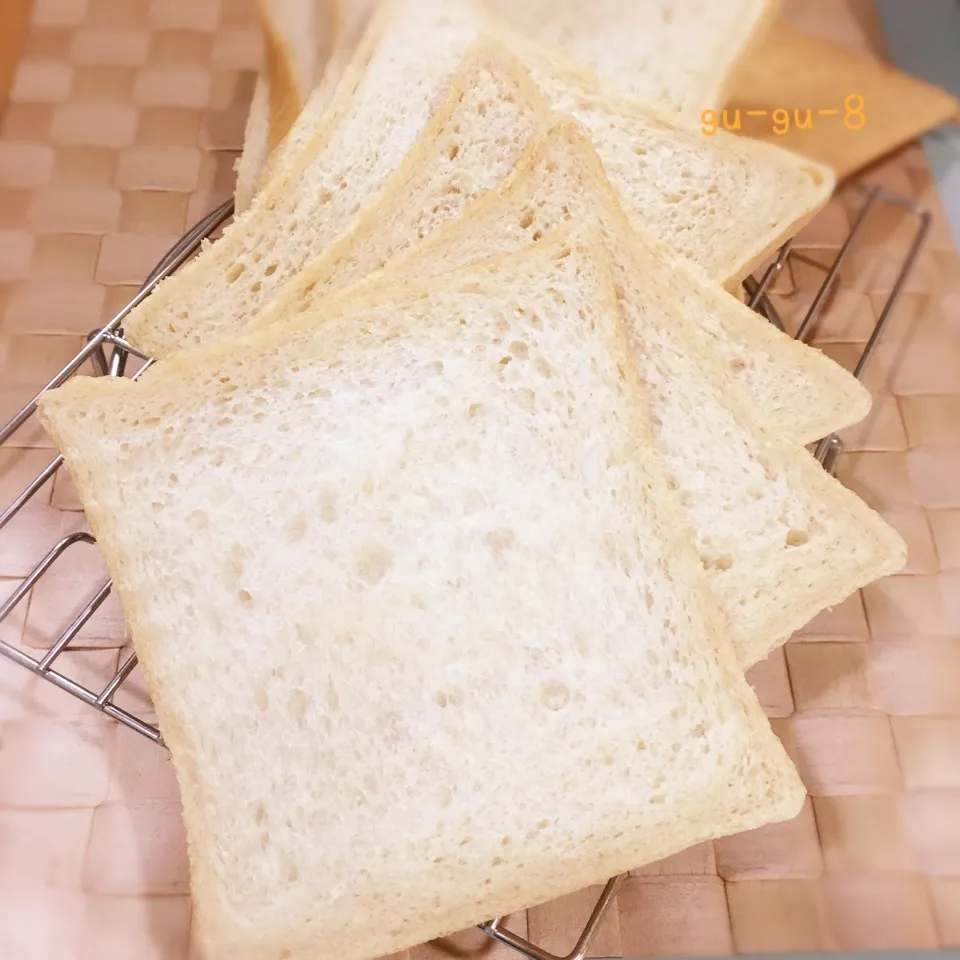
[
  {"x": 797, "y": 538},
  {"x": 271, "y": 270},
  {"x": 500, "y": 540},
  {"x": 233, "y": 275},
  {"x": 527, "y": 399},
  {"x": 245, "y": 598},
  {"x": 373, "y": 562},
  {"x": 454, "y": 150},
  {"x": 554, "y": 695}
]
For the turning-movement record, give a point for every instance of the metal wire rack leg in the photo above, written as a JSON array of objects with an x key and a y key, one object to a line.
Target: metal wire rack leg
[{"x": 114, "y": 364}]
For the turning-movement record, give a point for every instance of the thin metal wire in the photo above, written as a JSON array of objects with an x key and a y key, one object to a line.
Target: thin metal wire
[
  {"x": 111, "y": 335},
  {"x": 94, "y": 350},
  {"x": 495, "y": 930}
]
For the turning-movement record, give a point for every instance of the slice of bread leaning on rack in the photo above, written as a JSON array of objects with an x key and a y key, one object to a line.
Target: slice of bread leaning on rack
[{"x": 457, "y": 448}]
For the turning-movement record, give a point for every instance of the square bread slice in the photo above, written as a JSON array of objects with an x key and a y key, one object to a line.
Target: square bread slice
[
  {"x": 723, "y": 202},
  {"x": 800, "y": 392},
  {"x": 387, "y": 570},
  {"x": 678, "y": 54},
  {"x": 779, "y": 538}
]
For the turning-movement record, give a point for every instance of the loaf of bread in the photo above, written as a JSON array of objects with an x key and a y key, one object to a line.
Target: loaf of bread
[
  {"x": 723, "y": 202},
  {"x": 398, "y": 543},
  {"x": 802, "y": 393}
]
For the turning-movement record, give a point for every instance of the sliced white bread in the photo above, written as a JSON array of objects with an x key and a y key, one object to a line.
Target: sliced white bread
[
  {"x": 779, "y": 538},
  {"x": 395, "y": 546},
  {"x": 298, "y": 38},
  {"x": 388, "y": 95},
  {"x": 723, "y": 201},
  {"x": 801, "y": 393},
  {"x": 678, "y": 54}
]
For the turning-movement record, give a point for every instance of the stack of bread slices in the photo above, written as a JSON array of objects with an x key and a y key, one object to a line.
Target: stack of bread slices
[{"x": 463, "y": 491}]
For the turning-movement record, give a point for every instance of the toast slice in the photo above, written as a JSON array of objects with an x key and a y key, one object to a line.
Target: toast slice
[
  {"x": 462, "y": 469},
  {"x": 368, "y": 128},
  {"x": 779, "y": 538},
  {"x": 801, "y": 393},
  {"x": 676, "y": 53}
]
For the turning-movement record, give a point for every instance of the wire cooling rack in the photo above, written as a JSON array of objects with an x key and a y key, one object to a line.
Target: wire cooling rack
[{"x": 110, "y": 355}]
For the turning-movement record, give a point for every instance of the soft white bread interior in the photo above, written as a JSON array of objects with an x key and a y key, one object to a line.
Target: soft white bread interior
[
  {"x": 725, "y": 202},
  {"x": 386, "y": 98},
  {"x": 298, "y": 38},
  {"x": 678, "y": 54},
  {"x": 462, "y": 469},
  {"x": 779, "y": 539},
  {"x": 800, "y": 392}
]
